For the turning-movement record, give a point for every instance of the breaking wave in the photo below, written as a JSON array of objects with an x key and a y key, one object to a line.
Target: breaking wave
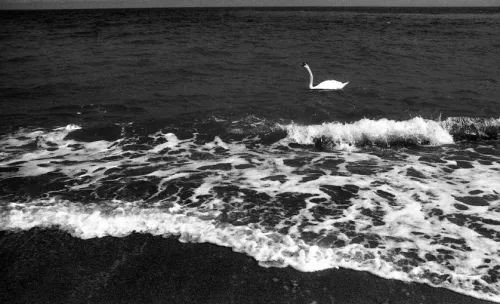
[
  {"x": 269, "y": 248},
  {"x": 386, "y": 133},
  {"x": 472, "y": 128},
  {"x": 407, "y": 214}
]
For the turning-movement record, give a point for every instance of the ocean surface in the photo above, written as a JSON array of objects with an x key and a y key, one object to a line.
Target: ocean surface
[{"x": 199, "y": 123}]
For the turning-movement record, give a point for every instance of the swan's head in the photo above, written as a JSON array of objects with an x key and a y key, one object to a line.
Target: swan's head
[{"x": 304, "y": 65}]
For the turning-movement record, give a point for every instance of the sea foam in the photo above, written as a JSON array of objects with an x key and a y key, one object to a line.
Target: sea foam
[
  {"x": 382, "y": 132},
  {"x": 270, "y": 249},
  {"x": 411, "y": 214}
]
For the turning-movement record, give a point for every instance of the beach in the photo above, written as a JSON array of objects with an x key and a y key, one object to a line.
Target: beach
[{"x": 145, "y": 269}]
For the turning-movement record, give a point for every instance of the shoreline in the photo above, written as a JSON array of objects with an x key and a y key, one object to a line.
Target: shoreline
[{"x": 49, "y": 265}]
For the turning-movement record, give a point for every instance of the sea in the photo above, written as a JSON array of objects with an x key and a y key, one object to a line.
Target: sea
[{"x": 199, "y": 123}]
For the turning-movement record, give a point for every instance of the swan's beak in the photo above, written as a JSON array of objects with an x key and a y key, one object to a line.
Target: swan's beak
[{"x": 303, "y": 64}]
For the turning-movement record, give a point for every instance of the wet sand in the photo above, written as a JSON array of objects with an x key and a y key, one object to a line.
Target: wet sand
[{"x": 51, "y": 266}]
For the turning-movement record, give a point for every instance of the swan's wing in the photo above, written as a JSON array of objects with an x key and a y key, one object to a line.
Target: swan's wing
[{"x": 330, "y": 85}]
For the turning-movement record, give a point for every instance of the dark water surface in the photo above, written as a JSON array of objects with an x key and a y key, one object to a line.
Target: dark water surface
[
  {"x": 199, "y": 123},
  {"x": 122, "y": 65}
]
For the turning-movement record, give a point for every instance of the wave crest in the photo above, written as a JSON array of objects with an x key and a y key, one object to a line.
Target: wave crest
[
  {"x": 472, "y": 128},
  {"x": 382, "y": 132}
]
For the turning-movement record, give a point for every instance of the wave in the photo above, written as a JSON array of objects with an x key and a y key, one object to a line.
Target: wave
[
  {"x": 404, "y": 216},
  {"x": 332, "y": 135},
  {"x": 269, "y": 248},
  {"x": 384, "y": 132},
  {"x": 472, "y": 128}
]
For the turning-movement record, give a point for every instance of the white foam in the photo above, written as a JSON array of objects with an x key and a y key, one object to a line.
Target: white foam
[
  {"x": 414, "y": 198},
  {"x": 367, "y": 131},
  {"x": 71, "y": 127},
  {"x": 172, "y": 141},
  {"x": 270, "y": 249}
]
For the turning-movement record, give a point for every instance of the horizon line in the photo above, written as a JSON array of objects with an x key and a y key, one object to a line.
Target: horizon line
[{"x": 34, "y": 7}]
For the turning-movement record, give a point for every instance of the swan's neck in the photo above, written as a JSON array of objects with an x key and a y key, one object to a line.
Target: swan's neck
[{"x": 310, "y": 78}]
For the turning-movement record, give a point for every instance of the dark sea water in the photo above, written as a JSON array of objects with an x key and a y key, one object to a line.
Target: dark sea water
[{"x": 199, "y": 123}]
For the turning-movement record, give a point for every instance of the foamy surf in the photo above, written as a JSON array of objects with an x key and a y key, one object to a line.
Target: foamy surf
[
  {"x": 382, "y": 132},
  {"x": 386, "y": 133},
  {"x": 408, "y": 214},
  {"x": 475, "y": 128},
  {"x": 269, "y": 248}
]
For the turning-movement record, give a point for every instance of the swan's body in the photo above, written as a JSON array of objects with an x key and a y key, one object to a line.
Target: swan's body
[{"x": 325, "y": 85}]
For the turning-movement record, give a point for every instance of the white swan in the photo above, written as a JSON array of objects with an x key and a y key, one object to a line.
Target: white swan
[{"x": 325, "y": 85}]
